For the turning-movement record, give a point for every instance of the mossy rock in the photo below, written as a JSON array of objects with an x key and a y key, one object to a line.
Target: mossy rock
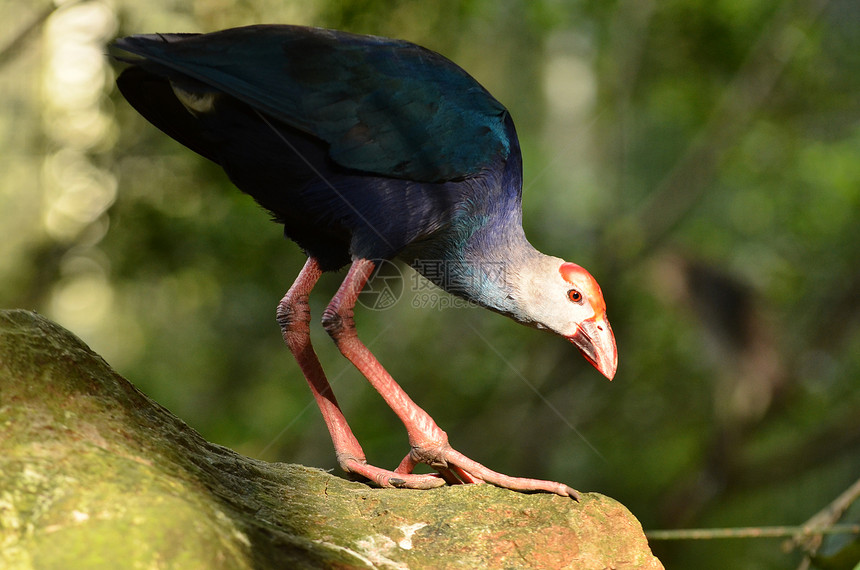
[{"x": 93, "y": 474}]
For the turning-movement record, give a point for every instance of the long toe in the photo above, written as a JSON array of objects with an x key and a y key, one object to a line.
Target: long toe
[
  {"x": 386, "y": 478},
  {"x": 471, "y": 471}
]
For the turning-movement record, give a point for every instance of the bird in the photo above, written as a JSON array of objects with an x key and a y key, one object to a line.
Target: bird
[{"x": 368, "y": 149}]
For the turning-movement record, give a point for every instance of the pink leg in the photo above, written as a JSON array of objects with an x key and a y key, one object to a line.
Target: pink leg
[
  {"x": 294, "y": 318},
  {"x": 428, "y": 442}
]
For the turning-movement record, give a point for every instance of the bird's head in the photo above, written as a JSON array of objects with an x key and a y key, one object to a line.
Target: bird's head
[{"x": 564, "y": 298}]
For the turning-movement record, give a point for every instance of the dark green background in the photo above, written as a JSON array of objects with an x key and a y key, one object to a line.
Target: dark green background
[{"x": 700, "y": 158}]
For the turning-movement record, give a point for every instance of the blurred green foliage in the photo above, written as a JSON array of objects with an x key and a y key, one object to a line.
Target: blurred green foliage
[{"x": 700, "y": 158}]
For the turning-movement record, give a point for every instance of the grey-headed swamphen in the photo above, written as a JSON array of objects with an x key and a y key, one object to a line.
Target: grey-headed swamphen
[{"x": 368, "y": 149}]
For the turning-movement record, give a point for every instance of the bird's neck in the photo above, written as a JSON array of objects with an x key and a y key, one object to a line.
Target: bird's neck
[
  {"x": 488, "y": 267},
  {"x": 504, "y": 266}
]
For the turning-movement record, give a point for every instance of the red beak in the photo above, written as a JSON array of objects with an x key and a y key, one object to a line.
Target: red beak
[{"x": 595, "y": 341}]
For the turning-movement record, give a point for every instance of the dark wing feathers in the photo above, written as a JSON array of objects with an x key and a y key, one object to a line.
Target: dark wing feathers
[
  {"x": 155, "y": 99},
  {"x": 385, "y": 107}
]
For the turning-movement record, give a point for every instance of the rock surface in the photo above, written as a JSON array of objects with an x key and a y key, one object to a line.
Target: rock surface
[{"x": 93, "y": 474}]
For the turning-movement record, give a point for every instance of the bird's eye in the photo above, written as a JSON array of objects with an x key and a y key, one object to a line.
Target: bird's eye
[{"x": 574, "y": 296}]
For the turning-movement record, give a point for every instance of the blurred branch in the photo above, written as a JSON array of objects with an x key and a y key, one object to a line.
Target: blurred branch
[
  {"x": 14, "y": 45},
  {"x": 824, "y": 520},
  {"x": 808, "y": 535},
  {"x": 750, "y": 532}
]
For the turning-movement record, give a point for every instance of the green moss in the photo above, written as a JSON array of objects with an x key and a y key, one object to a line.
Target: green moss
[{"x": 95, "y": 475}]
